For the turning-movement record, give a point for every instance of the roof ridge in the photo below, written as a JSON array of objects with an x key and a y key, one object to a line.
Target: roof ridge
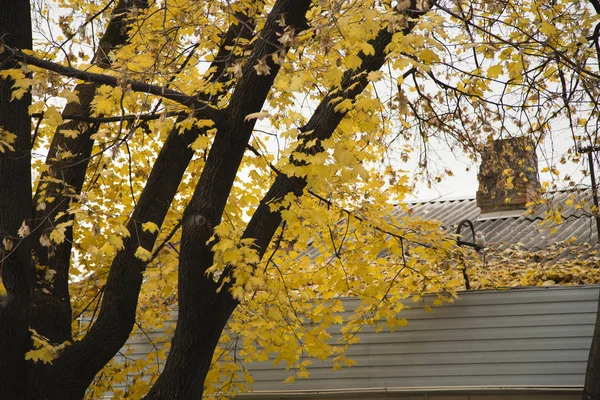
[{"x": 443, "y": 199}]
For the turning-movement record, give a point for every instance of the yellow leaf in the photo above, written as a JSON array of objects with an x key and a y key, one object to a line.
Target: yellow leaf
[
  {"x": 352, "y": 61},
  {"x": 150, "y": 227},
  {"x": 495, "y": 71},
  {"x": 548, "y": 29},
  {"x": 6, "y": 140},
  {"x": 52, "y": 116},
  {"x": 256, "y": 115},
  {"x": 428, "y": 56},
  {"x": 58, "y": 234},
  {"x": 7, "y": 243},
  {"x": 232, "y": 256},
  {"x": 303, "y": 374},
  {"x": 70, "y": 133},
  {"x": 296, "y": 83},
  {"x": 143, "y": 254},
  {"x": 374, "y": 76},
  {"x": 23, "y": 230},
  {"x": 70, "y": 95},
  {"x": 515, "y": 70},
  {"x": 116, "y": 241},
  {"x": 41, "y": 354},
  {"x": 201, "y": 143}
]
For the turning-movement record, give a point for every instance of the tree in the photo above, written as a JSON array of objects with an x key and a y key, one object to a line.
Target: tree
[{"x": 160, "y": 188}]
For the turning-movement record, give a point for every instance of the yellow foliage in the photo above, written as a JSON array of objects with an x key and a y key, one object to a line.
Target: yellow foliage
[
  {"x": 440, "y": 84},
  {"x": 43, "y": 350}
]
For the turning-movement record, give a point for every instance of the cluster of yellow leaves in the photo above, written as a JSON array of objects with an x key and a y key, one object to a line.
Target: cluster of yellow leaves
[
  {"x": 562, "y": 263},
  {"x": 318, "y": 260},
  {"x": 42, "y": 349}
]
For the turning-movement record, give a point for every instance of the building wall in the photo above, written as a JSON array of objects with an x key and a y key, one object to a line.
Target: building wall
[
  {"x": 471, "y": 394},
  {"x": 537, "y": 337},
  {"x": 488, "y": 345}
]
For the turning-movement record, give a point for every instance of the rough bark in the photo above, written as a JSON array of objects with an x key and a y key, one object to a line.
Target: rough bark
[
  {"x": 73, "y": 371},
  {"x": 591, "y": 388},
  {"x": 51, "y": 307},
  {"x": 200, "y": 321},
  {"x": 16, "y": 266}
]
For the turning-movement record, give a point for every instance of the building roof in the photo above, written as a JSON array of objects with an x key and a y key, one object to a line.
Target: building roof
[{"x": 528, "y": 229}]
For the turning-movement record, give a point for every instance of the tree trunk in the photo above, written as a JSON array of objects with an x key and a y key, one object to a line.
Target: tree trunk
[
  {"x": 16, "y": 267},
  {"x": 591, "y": 388},
  {"x": 51, "y": 306}
]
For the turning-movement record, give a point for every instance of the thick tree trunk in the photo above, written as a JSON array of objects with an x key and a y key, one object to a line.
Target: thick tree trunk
[
  {"x": 591, "y": 388},
  {"x": 51, "y": 307},
  {"x": 73, "y": 371},
  {"x": 16, "y": 267},
  {"x": 201, "y": 316}
]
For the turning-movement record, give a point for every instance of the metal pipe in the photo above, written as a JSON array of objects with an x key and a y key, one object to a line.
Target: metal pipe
[{"x": 589, "y": 150}]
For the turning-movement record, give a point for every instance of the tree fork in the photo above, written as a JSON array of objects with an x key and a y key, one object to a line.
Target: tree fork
[
  {"x": 51, "y": 314},
  {"x": 77, "y": 365},
  {"x": 199, "y": 323}
]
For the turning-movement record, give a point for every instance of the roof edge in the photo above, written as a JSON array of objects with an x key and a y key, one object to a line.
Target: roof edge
[{"x": 343, "y": 393}]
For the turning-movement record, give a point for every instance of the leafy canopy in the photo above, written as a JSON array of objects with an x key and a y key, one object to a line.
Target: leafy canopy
[{"x": 453, "y": 75}]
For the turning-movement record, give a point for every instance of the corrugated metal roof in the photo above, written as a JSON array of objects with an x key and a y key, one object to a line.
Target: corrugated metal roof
[{"x": 524, "y": 228}]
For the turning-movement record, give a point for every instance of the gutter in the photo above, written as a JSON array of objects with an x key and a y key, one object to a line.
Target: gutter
[{"x": 384, "y": 391}]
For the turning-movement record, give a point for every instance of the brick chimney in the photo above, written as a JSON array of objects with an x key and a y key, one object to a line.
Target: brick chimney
[{"x": 508, "y": 175}]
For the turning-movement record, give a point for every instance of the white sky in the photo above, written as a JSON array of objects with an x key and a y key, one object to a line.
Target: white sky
[{"x": 464, "y": 182}]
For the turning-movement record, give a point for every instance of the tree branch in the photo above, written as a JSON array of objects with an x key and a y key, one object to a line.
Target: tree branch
[
  {"x": 203, "y": 109},
  {"x": 322, "y": 124},
  {"x": 129, "y": 117},
  {"x": 199, "y": 324}
]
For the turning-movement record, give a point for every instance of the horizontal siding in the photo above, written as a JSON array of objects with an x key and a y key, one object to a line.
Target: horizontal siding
[
  {"x": 493, "y": 333},
  {"x": 534, "y": 337},
  {"x": 455, "y": 358},
  {"x": 397, "y": 384},
  {"x": 522, "y": 337},
  {"x": 466, "y": 394},
  {"x": 480, "y": 345}
]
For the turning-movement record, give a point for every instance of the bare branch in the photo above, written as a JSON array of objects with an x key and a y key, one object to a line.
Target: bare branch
[
  {"x": 204, "y": 110},
  {"x": 131, "y": 117}
]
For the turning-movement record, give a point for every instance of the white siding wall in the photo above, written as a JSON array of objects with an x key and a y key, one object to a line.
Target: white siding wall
[
  {"x": 514, "y": 341},
  {"x": 536, "y": 337}
]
